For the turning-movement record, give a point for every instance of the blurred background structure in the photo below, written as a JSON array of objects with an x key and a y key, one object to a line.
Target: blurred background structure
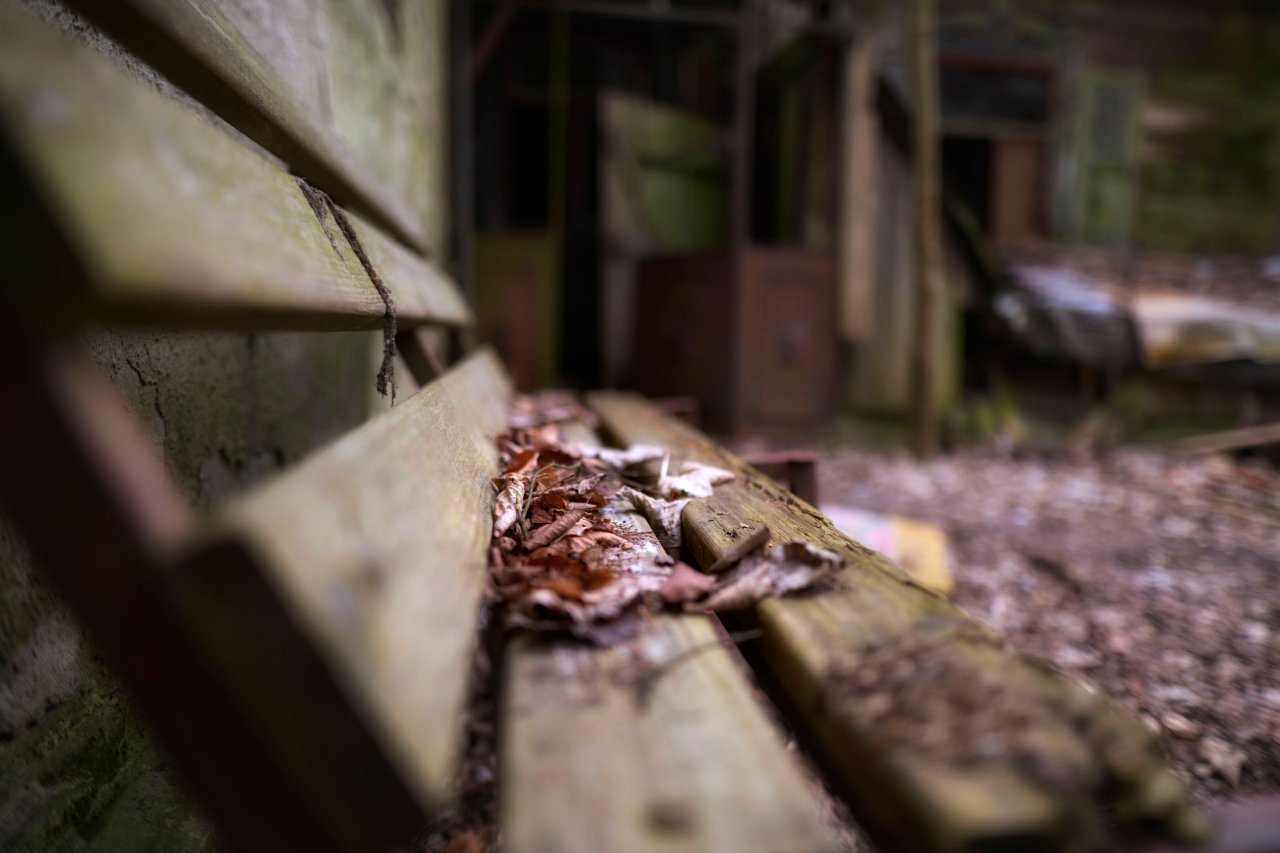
[
  {"x": 1111, "y": 175},
  {"x": 715, "y": 202}
]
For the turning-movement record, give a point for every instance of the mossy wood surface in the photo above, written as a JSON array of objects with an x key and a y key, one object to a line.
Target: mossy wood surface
[
  {"x": 376, "y": 546},
  {"x": 172, "y": 217},
  {"x": 1069, "y": 757},
  {"x": 656, "y": 743},
  {"x": 349, "y": 93}
]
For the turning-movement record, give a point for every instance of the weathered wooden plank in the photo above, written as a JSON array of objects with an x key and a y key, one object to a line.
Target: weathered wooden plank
[
  {"x": 718, "y": 539},
  {"x": 657, "y": 744},
  {"x": 173, "y": 218},
  {"x": 654, "y": 744},
  {"x": 349, "y": 94},
  {"x": 1074, "y": 757},
  {"x": 376, "y": 546}
]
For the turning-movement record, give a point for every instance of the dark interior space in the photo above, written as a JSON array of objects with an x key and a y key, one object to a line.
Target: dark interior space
[{"x": 966, "y": 163}]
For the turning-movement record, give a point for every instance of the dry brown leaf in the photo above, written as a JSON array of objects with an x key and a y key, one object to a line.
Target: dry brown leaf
[
  {"x": 663, "y": 516},
  {"x": 551, "y": 501},
  {"x": 636, "y": 454},
  {"x": 549, "y": 533},
  {"x": 523, "y": 462},
  {"x": 507, "y": 506},
  {"x": 786, "y": 569},
  {"x": 695, "y": 480},
  {"x": 685, "y": 584}
]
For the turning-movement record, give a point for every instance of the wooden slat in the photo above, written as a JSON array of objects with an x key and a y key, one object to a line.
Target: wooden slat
[
  {"x": 814, "y": 645},
  {"x": 376, "y": 546},
  {"x": 349, "y": 93},
  {"x": 657, "y": 743},
  {"x": 173, "y": 218}
]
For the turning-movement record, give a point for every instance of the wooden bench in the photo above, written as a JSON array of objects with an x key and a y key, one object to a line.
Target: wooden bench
[{"x": 304, "y": 652}]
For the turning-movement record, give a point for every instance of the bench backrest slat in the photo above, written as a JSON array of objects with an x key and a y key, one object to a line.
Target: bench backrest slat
[
  {"x": 345, "y": 91},
  {"x": 173, "y": 217},
  {"x": 377, "y": 546}
]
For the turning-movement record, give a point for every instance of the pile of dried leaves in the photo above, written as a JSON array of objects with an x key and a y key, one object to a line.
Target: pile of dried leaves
[{"x": 586, "y": 539}]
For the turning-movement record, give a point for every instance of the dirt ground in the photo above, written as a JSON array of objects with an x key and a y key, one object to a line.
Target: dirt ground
[{"x": 1152, "y": 578}]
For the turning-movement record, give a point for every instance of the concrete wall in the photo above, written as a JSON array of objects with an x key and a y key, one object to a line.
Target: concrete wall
[{"x": 78, "y": 770}]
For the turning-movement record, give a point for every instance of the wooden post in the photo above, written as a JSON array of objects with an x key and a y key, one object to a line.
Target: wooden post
[
  {"x": 461, "y": 154},
  {"x": 856, "y": 243},
  {"x": 929, "y": 273},
  {"x": 557, "y": 197},
  {"x": 744, "y": 104}
]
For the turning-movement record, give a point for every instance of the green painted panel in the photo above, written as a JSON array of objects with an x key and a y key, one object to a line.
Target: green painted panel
[{"x": 670, "y": 166}]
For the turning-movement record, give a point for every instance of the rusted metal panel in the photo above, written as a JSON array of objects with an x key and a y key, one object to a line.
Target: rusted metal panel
[
  {"x": 1016, "y": 190},
  {"x": 685, "y": 320},
  {"x": 789, "y": 336},
  {"x": 682, "y": 332}
]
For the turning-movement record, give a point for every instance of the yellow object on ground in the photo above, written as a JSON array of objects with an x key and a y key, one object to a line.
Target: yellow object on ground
[{"x": 917, "y": 546}]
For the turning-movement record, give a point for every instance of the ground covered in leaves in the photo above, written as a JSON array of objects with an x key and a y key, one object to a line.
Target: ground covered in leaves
[{"x": 1152, "y": 578}]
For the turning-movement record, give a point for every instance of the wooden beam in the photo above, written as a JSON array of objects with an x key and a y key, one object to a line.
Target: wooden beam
[
  {"x": 271, "y": 75},
  {"x": 495, "y": 29},
  {"x": 657, "y": 743},
  {"x": 859, "y": 141},
  {"x": 819, "y": 649},
  {"x": 170, "y": 217},
  {"x": 1233, "y": 439},
  {"x": 740, "y": 200},
  {"x": 930, "y": 271},
  {"x": 370, "y": 543}
]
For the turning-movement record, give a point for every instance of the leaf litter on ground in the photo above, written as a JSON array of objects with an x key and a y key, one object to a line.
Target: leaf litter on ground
[{"x": 587, "y": 540}]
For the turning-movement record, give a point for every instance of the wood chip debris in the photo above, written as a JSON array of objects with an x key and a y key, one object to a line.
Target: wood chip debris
[{"x": 567, "y": 554}]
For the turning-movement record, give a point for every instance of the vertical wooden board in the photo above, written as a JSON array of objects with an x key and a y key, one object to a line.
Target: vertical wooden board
[
  {"x": 378, "y": 545},
  {"x": 859, "y": 139},
  {"x": 661, "y": 188},
  {"x": 172, "y": 216},
  {"x": 656, "y": 744},
  {"x": 881, "y": 376},
  {"x": 516, "y": 306},
  {"x": 789, "y": 316},
  {"x": 421, "y": 127},
  {"x": 347, "y": 91}
]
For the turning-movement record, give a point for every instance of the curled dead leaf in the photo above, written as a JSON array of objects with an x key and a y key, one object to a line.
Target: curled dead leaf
[
  {"x": 783, "y": 570},
  {"x": 549, "y": 533},
  {"x": 685, "y": 584},
  {"x": 523, "y": 462},
  {"x": 663, "y": 516},
  {"x": 508, "y": 505},
  {"x": 694, "y": 480}
]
